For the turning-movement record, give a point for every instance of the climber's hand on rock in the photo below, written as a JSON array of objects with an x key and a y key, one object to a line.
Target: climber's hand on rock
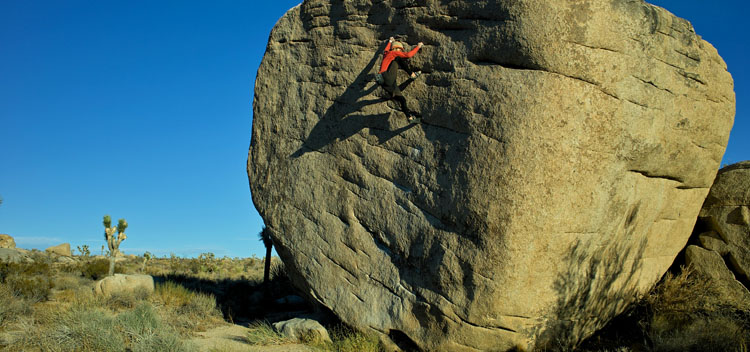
[
  {"x": 420, "y": 44},
  {"x": 391, "y": 40}
]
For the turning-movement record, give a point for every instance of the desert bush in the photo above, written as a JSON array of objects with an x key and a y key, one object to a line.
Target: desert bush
[
  {"x": 34, "y": 288},
  {"x": 187, "y": 301},
  {"x": 32, "y": 281},
  {"x": 172, "y": 294},
  {"x": 25, "y": 269},
  {"x": 68, "y": 281},
  {"x": 143, "y": 331},
  {"x": 687, "y": 313},
  {"x": 345, "y": 339},
  {"x": 186, "y": 310},
  {"x": 207, "y": 262},
  {"x": 85, "y": 329},
  {"x": 12, "y": 306},
  {"x": 125, "y": 299},
  {"x": 97, "y": 269},
  {"x": 201, "y": 304},
  {"x": 162, "y": 341},
  {"x": 84, "y": 250}
]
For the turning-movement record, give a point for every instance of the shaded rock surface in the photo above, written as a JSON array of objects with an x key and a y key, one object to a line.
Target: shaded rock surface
[
  {"x": 722, "y": 234},
  {"x": 6, "y": 241},
  {"x": 61, "y": 249},
  {"x": 564, "y": 154},
  {"x": 119, "y": 283},
  {"x": 14, "y": 255},
  {"x": 712, "y": 266}
]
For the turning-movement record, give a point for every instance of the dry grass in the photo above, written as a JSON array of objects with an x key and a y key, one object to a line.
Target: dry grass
[
  {"x": 47, "y": 306},
  {"x": 345, "y": 339},
  {"x": 684, "y": 312},
  {"x": 687, "y": 313},
  {"x": 187, "y": 311},
  {"x": 262, "y": 333}
]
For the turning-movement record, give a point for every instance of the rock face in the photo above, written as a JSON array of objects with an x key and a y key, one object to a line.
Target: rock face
[
  {"x": 722, "y": 234},
  {"x": 6, "y": 241},
  {"x": 121, "y": 283},
  {"x": 60, "y": 249},
  {"x": 564, "y": 154},
  {"x": 14, "y": 255}
]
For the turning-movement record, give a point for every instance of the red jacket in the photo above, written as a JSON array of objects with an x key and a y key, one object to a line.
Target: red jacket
[{"x": 389, "y": 55}]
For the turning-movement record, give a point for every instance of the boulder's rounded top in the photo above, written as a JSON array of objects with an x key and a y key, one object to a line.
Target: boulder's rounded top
[
  {"x": 6, "y": 241},
  {"x": 731, "y": 187},
  {"x": 62, "y": 249}
]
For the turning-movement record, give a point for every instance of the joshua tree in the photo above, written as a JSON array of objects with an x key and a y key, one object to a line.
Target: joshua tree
[
  {"x": 84, "y": 250},
  {"x": 146, "y": 257},
  {"x": 113, "y": 242},
  {"x": 265, "y": 237}
]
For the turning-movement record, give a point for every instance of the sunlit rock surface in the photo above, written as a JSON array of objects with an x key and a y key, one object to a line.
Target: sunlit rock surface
[{"x": 564, "y": 155}]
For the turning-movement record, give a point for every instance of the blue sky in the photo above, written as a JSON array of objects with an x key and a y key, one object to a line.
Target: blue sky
[{"x": 142, "y": 109}]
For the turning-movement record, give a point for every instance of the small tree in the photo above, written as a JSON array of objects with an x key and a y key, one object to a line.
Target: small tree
[
  {"x": 146, "y": 257},
  {"x": 113, "y": 241},
  {"x": 84, "y": 250},
  {"x": 265, "y": 237}
]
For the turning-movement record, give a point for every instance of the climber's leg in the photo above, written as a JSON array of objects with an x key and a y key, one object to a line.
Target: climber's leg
[{"x": 389, "y": 84}]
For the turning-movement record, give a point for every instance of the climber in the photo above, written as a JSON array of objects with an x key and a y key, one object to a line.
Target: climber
[{"x": 389, "y": 70}]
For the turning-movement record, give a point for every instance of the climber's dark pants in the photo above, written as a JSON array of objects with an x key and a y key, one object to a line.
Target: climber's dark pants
[{"x": 390, "y": 85}]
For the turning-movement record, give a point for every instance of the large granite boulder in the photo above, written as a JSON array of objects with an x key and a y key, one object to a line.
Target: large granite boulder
[
  {"x": 565, "y": 151},
  {"x": 62, "y": 249},
  {"x": 14, "y": 255},
  {"x": 6, "y": 241},
  {"x": 722, "y": 234},
  {"x": 121, "y": 283}
]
